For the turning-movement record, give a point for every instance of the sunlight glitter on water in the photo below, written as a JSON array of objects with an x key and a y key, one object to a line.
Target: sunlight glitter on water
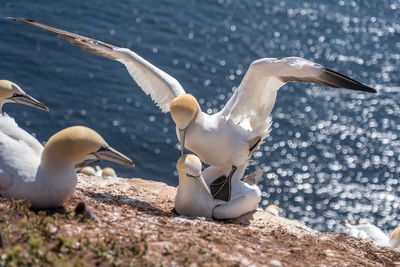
[{"x": 331, "y": 154}]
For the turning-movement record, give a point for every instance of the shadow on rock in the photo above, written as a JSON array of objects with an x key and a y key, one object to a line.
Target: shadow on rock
[
  {"x": 51, "y": 211},
  {"x": 134, "y": 203},
  {"x": 244, "y": 220}
]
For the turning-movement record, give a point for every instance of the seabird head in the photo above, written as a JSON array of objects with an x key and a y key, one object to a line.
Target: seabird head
[
  {"x": 189, "y": 167},
  {"x": 273, "y": 209},
  {"x": 108, "y": 171},
  {"x": 88, "y": 170},
  {"x": 80, "y": 144},
  {"x": 12, "y": 93},
  {"x": 184, "y": 109},
  {"x": 394, "y": 240}
]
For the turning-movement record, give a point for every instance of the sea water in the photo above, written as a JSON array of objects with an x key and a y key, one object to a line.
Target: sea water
[{"x": 332, "y": 154}]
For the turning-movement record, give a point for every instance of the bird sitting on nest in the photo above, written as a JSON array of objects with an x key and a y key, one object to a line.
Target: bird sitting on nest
[
  {"x": 194, "y": 198},
  {"x": 46, "y": 178}
]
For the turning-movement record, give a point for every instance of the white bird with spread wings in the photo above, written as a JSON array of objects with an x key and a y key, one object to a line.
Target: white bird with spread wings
[{"x": 231, "y": 135}]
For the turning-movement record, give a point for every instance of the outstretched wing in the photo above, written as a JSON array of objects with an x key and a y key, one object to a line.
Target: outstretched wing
[
  {"x": 162, "y": 87},
  {"x": 255, "y": 96}
]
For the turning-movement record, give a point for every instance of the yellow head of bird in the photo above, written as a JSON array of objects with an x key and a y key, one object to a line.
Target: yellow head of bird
[
  {"x": 189, "y": 164},
  {"x": 189, "y": 169},
  {"x": 7, "y": 89},
  {"x": 12, "y": 93},
  {"x": 184, "y": 110},
  {"x": 78, "y": 143}
]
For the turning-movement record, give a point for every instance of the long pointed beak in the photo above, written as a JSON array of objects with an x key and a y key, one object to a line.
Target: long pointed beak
[
  {"x": 182, "y": 134},
  {"x": 28, "y": 100},
  {"x": 113, "y": 155},
  {"x": 203, "y": 184}
]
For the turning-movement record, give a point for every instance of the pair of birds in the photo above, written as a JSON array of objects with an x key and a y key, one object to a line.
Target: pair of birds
[
  {"x": 45, "y": 176},
  {"x": 97, "y": 171},
  {"x": 366, "y": 230},
  {"x": 224, "y": 140}
]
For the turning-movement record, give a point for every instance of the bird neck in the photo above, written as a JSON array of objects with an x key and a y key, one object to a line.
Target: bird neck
[
  {"x": 190, "y": 189},
  {"x": 53, "y": 161},
  {"x": 199, "y": 115},
  {"x": 186, "y": 185}
]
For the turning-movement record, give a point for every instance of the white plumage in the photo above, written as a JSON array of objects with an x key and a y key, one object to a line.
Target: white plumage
[
  {"x": 20, "y": 175},
  {"x": 12, "y": 136},
  {"x": 193, "y": 197},
  {"x": 10, "y": 128},
  {"x": 162, "y": 87},
  {"x": 231, "y": 135},
  {"x": 46, "y": 176},
  {"x": 366, "y": 230}
]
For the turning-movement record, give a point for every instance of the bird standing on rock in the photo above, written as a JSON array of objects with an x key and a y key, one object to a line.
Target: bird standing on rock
[{"x": 231, "y": 135}]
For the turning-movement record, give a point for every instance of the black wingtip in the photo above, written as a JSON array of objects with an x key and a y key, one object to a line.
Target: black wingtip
[
  {"x": 349, "y": 83},
  {"x": 20, "y": 19}
]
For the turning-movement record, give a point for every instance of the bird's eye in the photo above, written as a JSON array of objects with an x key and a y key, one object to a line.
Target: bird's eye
[
  {"x": 102, "y": 149},
  {"x": 192, "y": 176},
  {"x": 16, "y": 95}
]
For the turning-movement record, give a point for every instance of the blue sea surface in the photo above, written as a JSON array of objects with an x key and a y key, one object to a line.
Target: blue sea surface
[{"x": 332, "y": 154}]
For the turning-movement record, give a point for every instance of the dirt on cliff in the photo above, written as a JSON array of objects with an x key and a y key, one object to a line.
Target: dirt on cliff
[{"x": 133, "y": 222}]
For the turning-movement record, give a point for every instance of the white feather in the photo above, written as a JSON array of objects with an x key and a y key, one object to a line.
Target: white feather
[
  {"x": 20, "y": 175},
  {"x": 162, "y": 87},
  {"x": 224, "y": 137},
  {"x": 366, "y": 230},
  {"x": 255, "y": 97}
]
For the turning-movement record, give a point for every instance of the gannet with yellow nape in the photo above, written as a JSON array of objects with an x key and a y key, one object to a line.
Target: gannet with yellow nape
[
  {"x": 12, "y": 93},
  {"x": 194, "y": 198},
  {"x": 47, "y": 178},
  {"x": 231, "y": 135}
]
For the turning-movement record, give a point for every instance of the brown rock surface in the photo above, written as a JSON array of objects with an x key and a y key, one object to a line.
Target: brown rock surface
[{"x": 141, "y": 210}]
